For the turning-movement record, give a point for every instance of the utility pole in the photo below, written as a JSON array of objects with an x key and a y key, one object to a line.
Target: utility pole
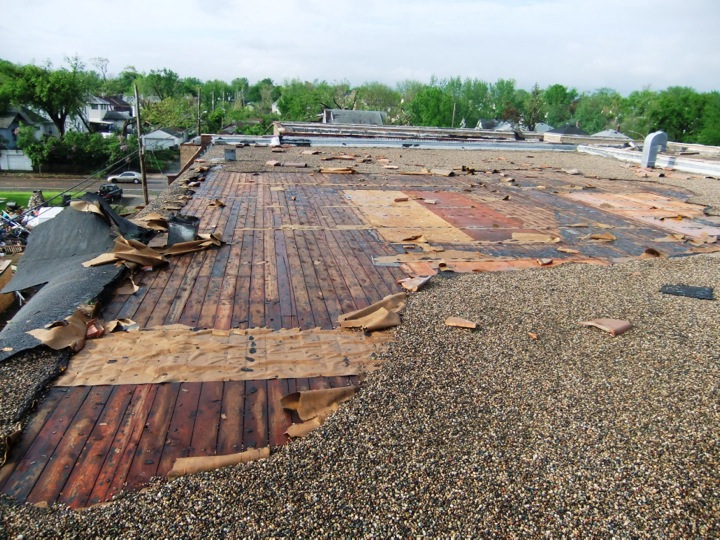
[
  {"x": 141, "y": 149},
  {"x": 198, "y": 126},
  {"x": 453, "y": 118}
]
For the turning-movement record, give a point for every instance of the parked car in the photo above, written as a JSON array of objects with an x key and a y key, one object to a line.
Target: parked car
[
  {"x": 127, "y": 176},
  {"x": 110, "y": 192}
]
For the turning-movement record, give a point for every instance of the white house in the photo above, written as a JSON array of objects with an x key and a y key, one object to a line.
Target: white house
[
  {"x": 164, "y": 138},
  {"x": 102, "y": 115}
]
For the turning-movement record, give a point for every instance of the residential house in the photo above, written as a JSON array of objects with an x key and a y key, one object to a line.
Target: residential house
[
  {"x": 102, "y": 115},
  {"x": 11, "y": 120},
  {"x": 164, "y": 138},
  {"x": 11, "y": 158}
]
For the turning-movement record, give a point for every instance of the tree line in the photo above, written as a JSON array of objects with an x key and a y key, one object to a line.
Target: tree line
[{"x": 169, "y": 100}]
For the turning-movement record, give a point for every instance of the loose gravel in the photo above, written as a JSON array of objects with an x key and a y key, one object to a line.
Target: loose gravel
[{"x": 486, "y": 433}]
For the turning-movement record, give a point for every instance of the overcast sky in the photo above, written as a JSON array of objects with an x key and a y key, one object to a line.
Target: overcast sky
[{"x": 586, "y": 44}]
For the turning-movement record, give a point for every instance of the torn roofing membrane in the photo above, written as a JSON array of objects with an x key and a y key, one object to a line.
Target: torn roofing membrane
[{"x": 54, "y": 256}]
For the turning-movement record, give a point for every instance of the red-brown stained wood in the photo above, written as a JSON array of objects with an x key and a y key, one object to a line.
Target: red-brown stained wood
[
  {"x": 180, "y": 266},
  {"x": 230, "y": 431},
  {"x": 178, "y": 298},
  {"x": 153, "y": 295},
  {"x": 182, "y": 423},
  {"x": 31, "y": 431},
  {"x": 193, "y": 308},
  {"x": 147, "y": 455},
  {"x": 279, "y": 419},
  {"x": 115, "y": 469},
  {"x": 87, "y": 468},
  {"x": 256, "y": 312},
  {"x": 28, "y": 470},
  {"x": 319, "y": 383},
  {"x": 58, "y": 468},
  {"x": 255, "y": 425},
  {"x": 205, "y": 432}
]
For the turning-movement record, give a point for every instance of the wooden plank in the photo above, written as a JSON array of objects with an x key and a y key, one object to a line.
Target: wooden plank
[
  {"x": 256, "y": 307},
  {"x": 279, "y": 419},
  {"x": 255, "y": 425},
  {"x": 303, "y": 307},
  {"x": 223, "y": 314},
  {"x": 207, "y": 420},
  {"x": 180, "y": 298},
  {"x": 240, "y": 314},
  {"x": 180, "y": 430},
  {"x": 31, "y": 431},
  {"x": 315, "y": 291},
  {"x": 230, "y": 432},
  {"x": 117, "y": 463},
  {"x": 273, "y": 314},
  {"x": 149, "y": 301},
  {"x": 87, "y": 468},
  {"x": 20, "y": 483},
  {"x": 180, "y": 266},
  {"x": 148, "y": 453},
  {"x": 57, "y": 471},
  {"x": 284, "y": 283}
]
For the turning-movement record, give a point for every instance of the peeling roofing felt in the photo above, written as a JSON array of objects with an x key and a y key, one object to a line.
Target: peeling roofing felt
[{"x": 55, "y": 252}]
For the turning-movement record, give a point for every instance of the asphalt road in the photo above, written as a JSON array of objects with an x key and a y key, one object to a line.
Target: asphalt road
[{"x": 29, "y": 182}]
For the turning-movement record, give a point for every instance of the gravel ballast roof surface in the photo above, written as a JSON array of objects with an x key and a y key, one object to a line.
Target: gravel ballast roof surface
[
  {"x": 480, "y": 433},
  {"x": 489, "y": 432}
]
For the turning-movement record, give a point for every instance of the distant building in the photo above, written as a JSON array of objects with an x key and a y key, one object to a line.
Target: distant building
[
  {"x": 569, "y": 129},
  {"x": 612, "y": 134},
  {"x": 15, "y": 117},
  {"x": 164, "y": 138},
  {"x": 102, "y": 115},
  {"x": 342, "y": 116}
]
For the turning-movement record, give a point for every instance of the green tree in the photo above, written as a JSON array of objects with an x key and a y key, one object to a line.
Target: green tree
[
  {"x": 710, "y": 131},
  {"x": 59, "y": 93},
  {"x": 123, "y": 83},
  {"x": 304, "y": 101},
  {"x": 507, "y": 103},
  {"x": 599, "y": 110},
  {"x": 431, "y": 107},
  {"x": 376, "y": 96},
  {"x": 679, "y": 112},
  {"x": 637, "y": 113},
  {"x": 559, "y": 102},
  {"x": 175, "y": 112},
  {"x": 33, "y": 148},
  {"x": 163, "y": 83},
  {"x": 534, "y": 108}
]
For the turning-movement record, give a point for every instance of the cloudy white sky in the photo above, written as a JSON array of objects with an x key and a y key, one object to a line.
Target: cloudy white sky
[{"x": 586, "y": 44}]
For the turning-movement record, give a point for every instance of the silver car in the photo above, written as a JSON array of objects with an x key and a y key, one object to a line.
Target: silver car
[{"x": 127, "y": 176}]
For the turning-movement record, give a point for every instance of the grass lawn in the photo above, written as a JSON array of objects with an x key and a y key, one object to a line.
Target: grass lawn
[{"x": 22, "y": 197}]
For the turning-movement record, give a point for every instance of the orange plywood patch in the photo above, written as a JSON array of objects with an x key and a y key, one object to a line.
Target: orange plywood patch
[
  {"x": 397, "y": 221},
  {"x": 663, "y": 212}
]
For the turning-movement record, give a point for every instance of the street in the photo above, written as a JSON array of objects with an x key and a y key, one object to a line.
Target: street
[{"x": 30, "y": 182}]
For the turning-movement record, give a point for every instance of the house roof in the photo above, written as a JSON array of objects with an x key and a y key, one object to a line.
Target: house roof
[
  {"x": 115, "y": 115},
  {"x": 97, "y": 100},
  {"x": 7, "y": 119},
  {"x": 118, "y": 102},
  {"x": 612, "y": 134},
  {"x": 166, "y": 131},
  {"x": 569, "y": 129},
  {"x": 342, "y": 116}
]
